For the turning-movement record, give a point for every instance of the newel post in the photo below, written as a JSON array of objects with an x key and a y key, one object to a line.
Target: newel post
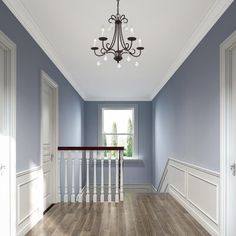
[{"x": 121, "y": 176}]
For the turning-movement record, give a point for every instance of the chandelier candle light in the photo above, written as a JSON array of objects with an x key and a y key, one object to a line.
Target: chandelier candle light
[{"x": 118, "y": 46}]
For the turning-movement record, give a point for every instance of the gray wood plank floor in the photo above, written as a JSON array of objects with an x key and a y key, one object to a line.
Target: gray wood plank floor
[{"x": 140, "y": 214}]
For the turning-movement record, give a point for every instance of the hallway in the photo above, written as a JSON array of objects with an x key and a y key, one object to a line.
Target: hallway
[{"x": 140, "y": 214}]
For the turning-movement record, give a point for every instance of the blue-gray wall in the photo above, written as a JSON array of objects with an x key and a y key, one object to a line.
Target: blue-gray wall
[
  {"x": 186, "y": 112},
  {"x": 30, "y": 61},
  {"x": 136, "y": 172}
]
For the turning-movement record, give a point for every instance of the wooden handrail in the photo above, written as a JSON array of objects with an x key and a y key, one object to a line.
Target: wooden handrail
[{"x": 90, "y": 148}]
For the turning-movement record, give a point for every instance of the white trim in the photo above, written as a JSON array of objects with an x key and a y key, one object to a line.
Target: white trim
[
  {"x": 216, "y": 220},
  {"x": 203, "y": 28},
  {"x": 25, "y": 18},
  {"x": 184, "y": 185},
  {"x": 118, "y": 99},
  {"x": 25, "y": 172},
  {"x": 121, "y": 106},
  {"x": 29, "y": 195},
  {"x": 193, "y": 212},
  {"x": 225, "y": 104},
  {"x": 207, "y": 171},
  {"x": 21, "y": 13},
  {"x": 11, "y": 93},
  {"x": 45, "y": 78}
]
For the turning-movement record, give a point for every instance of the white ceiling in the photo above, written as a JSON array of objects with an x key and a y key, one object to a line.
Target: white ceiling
[{"x": 169, "y": 31}]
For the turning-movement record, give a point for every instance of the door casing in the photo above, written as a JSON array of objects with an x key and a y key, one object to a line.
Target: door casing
[
  {"x": 225, "y": 111},
  {"x": 45, "y": 78},
  {"x": 10, "y": 49}
]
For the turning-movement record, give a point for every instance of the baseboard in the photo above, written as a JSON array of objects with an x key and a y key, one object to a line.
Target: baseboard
[
  {"x": 127, "y": 187},
  {"x": 154, "y": 189},
  {"x": 196, "y": 189}
]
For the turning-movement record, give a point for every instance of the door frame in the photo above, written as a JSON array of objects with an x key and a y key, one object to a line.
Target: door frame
[
  {"x": 45, "y": 78},
  {"x": 225, "y": 121},
  {"x": 10, "y": 49}
]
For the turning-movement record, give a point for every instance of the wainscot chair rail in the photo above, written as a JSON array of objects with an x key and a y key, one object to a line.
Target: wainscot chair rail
[{"x": 73, "y": 161}]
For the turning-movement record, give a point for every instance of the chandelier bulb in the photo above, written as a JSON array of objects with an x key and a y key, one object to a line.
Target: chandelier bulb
[
  {"x": 136, "y": 64},
  {"x": 128, "y": 59},
  {"x": 105, "y": 58},
  {"x": 119, "y": 66},
  {"x": 98, "y": 63},
  {"x": 132, "y": 30},
  {"x": 126, "y": 28},
  {"x": 140, "y": 42},
  {"x": 94, "y": 42},
  {"x": 103, "y": 30}
]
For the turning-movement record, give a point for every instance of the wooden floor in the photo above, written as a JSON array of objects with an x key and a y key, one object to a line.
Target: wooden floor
[{"x": 140, "y": 214}]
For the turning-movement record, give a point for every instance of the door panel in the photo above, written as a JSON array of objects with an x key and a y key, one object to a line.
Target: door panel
[
  {"x": 5, "y": 148},
  {"x": 232, "y": 176},
  {"x": 2, "y": 85},
  {"x": 47, "y": 143}
]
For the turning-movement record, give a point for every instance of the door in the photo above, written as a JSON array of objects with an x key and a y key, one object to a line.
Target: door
[
  {"x": 7, "y": 138},
  {"x": 48, "y": 141},
  {"x": 232, "y": 145}
]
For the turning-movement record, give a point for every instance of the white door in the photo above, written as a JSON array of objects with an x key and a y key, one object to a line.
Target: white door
[
  {"x": 232, "y": 153},
  {"x": 48, "y": 137},
  {"x": 7, "y": 142}
]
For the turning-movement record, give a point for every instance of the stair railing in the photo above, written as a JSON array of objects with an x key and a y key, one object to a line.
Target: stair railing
[{"x": 72, "y": 162}]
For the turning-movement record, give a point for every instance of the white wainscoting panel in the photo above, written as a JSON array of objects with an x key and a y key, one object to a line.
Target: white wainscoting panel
[
  {"x": 28, "y": 200},
  {"x": 196, "y": 189}
]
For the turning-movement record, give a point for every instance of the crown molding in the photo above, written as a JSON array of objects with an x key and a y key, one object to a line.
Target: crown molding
[
  {"x": 25, "y": 18},
  {"x": 118, "y": 99},
  {"x": 215, "y": 12}
]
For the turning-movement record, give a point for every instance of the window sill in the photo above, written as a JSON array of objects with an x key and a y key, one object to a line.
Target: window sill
[{"x": 132, "y": 159}]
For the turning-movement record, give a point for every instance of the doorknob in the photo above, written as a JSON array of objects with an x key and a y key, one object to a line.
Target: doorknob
[
  {"x": 2, "y": 167},
  {"x": 233, "y": 168}
]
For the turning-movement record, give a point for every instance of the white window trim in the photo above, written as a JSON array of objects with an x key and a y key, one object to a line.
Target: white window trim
[{"x": 120, "y": 107}]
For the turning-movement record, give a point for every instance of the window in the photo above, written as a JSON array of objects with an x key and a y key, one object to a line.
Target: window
[{"x": 118, "y": 128}]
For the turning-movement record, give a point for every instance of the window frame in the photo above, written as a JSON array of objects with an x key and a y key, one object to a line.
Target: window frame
[{"x": 134, "y": 107}]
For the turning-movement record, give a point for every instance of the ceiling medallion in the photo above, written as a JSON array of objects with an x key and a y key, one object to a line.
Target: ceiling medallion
[{"x": 118, "y": 46}]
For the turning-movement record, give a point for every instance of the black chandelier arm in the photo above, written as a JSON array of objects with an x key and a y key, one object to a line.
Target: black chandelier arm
[
  {"x": 124, "y": 19},
  {"x": 107, "y": 50},
  {"x": 98, "y": 55},
  {"x": 104, "y": 46},
  {"x": 130, "y": 46},
  {"x": 112, "y": 18},
  {"x": 111, "y": 52},
  {"x": 125, "y": 45},
  {"x": 133, "y": 52},
  {"x": 113, "y": 39},
  {"x": 124, "y": 52},
  {"x": 103, "y": 51}
]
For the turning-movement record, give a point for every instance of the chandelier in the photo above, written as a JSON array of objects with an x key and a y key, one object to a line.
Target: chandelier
[{"x": 118, "y": 46}]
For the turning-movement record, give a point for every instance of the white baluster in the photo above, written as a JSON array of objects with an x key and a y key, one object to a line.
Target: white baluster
[
  {"x": 73, "y": 181},
  {"x": 66, "y": 179},
  {"x": 117, "y": 177},
  {"x": 121, "y": 177},
  {"x": 95, "y": 176},
  {"x": 102, "y": 177},
  {"x": 109, "y": 177},
  {"x": 59, "y": 177},
  {"x": 80, "y": 197},
  {"x": 87, "y": 178}
]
